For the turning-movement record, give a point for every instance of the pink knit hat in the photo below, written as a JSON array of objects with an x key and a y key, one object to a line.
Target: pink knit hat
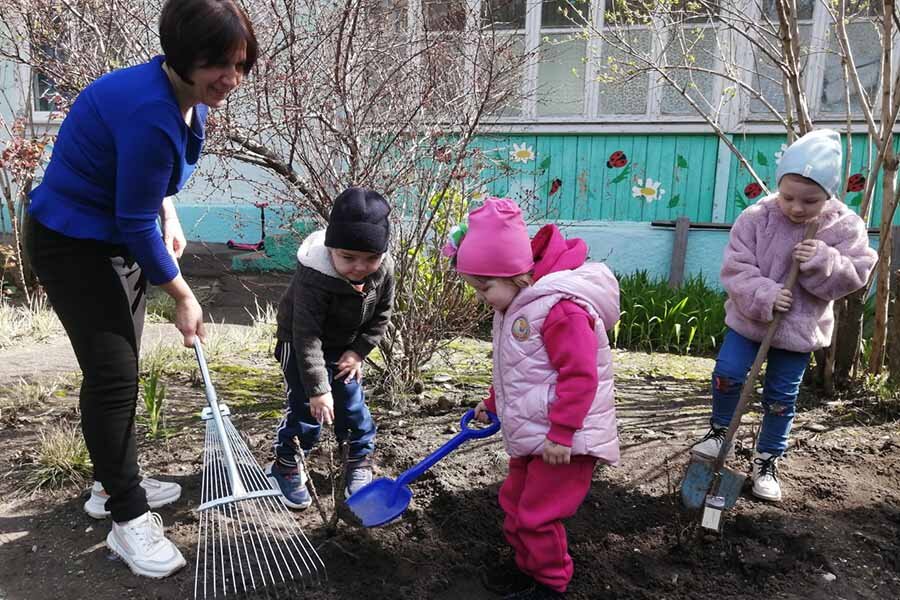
[{"x": 496, "y": 243}]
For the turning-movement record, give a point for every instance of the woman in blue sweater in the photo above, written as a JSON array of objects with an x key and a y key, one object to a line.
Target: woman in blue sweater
[{"x": 130, "y": 141}]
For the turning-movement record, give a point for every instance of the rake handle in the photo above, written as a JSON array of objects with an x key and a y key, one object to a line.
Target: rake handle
[
  {"x": 761, "y": 354},
  {"x": 238, "y": 490}
]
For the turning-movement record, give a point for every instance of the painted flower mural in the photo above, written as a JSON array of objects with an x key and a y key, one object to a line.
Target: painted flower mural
[
  {"x": 648, "y": 190},
  {"x": 856, "y": 182},
  {"x": 780, "y": 153},
  {"x": 521, "y": 153},
  {"x": 752, "y": 190}
]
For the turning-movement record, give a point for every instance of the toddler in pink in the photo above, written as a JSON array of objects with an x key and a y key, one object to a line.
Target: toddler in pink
[
  {"x": 764, "y": 239},
  {"x": 552, "y": 383}
]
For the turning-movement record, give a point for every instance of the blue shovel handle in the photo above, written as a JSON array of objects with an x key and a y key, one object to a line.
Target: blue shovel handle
[{"x": 450, "y": 445}]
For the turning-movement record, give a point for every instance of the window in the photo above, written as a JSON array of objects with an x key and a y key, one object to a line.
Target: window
[
  {"x": 504, "y": 15},
  {"x": 43, "y": 93},
  {"x": 570, "y": 75},
  {"x": 691, "y": 47},
  {"x": 562, "y": 58},
  {"x": 768, "y": 79},
  {"x": 865, "y": 43},
  {"x": 506, "y": 18},
  {"x": 444, "y": 45},
  {"x": 441, "y": 15},
  {"x": 624, "y": 86},
  {"x": 864, "y": 35}
]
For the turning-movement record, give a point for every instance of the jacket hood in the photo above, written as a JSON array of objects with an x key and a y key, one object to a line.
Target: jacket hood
[
  {"x": 313, "y": 254},
  {"x": 552, "y": 252}
]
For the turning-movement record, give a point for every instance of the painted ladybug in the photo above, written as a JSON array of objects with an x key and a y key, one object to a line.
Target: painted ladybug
[
  {"x": 442, "y": 154},
  {"x": 752, "y": 190},
  {"x": 555, "y": 185},
  {"x": 616, "y": 160},
  {"x": 856, "y": 183}
]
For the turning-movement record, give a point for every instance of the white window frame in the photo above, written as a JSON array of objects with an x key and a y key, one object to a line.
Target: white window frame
[{"x": 736, "y": 117}]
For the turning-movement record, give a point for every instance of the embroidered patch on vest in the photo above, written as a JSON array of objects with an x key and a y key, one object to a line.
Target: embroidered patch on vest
[{"x": 520, "y": 329}]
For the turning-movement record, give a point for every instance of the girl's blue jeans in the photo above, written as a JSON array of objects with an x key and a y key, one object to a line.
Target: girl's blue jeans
[{"x": 784, "y": 373}]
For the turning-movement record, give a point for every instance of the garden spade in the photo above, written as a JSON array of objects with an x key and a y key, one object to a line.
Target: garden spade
[
  {"x": 385, "y": 499},
  {"x": 709, "y": 484}
]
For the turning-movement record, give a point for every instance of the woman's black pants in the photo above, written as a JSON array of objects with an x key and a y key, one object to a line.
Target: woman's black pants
[{"x": 98, "y": 292}]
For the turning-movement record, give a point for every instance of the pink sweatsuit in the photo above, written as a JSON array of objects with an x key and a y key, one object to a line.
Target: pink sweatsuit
[{"x": 553, "y": 379}]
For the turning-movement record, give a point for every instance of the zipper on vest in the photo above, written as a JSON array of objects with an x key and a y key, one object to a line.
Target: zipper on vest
[{"x": 498, "y": 385}]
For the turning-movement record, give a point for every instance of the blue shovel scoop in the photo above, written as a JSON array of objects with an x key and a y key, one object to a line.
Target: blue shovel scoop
[{"x": 385, "y": 499}]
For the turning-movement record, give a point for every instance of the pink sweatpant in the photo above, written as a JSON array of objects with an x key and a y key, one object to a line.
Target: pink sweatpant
[{"x": 535, "y": 497}]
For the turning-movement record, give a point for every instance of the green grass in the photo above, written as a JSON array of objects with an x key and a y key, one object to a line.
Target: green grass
[
  {"x": 26, "y": 396},
  {"x": 160, "y": 306},
  {"x": 62, "y": 459},
  {"x": 153, "y": 393},
  {"x": 657, "y": 318},
  {"x": 34, "y": 323}
]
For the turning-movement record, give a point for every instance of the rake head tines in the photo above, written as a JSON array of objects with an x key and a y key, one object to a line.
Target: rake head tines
[{"x": 248, "y": 543}]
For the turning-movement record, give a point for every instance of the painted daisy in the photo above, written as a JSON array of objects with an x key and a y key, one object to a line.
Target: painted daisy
[
  {"x": 521, "y": 153},
  {"x": 780, "y": 152},
  {"x": 649, "y": 190}
]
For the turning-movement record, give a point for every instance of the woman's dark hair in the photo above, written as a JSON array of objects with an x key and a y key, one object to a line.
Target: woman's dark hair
[{"x": 204, "y": 32}]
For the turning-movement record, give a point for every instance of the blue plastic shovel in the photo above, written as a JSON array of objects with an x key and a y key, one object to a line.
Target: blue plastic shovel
[{"x": 385, "y": 499}]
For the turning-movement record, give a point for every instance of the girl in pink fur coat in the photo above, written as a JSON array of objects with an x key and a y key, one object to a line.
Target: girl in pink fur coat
[
  {"x": 764, "y": 239},
  {"x": 552, "y": 384}
]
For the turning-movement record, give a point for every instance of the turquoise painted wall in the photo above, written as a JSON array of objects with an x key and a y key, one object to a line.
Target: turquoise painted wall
[
  {"x": 604, "y": 177},
  {"x": 763, "y": 152},
  {"x": 596, "y": 185}
]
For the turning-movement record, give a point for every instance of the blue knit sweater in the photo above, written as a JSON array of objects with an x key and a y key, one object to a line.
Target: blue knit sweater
[{"x": 123, "y": 147}]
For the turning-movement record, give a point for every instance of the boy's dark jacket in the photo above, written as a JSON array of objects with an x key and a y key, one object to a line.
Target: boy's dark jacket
[{"x": 321, "y": 312}]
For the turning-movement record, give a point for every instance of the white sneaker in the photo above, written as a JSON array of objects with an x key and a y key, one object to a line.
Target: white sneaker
[
  {"x": 159, "y": 493},
  {"x": 709, "y": 446},
  {"x": 142, "y": 544},
  {"x": 765, "y": 477}
]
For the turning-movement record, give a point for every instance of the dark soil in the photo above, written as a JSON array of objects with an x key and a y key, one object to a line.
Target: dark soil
[{"x": 836, "y": 535}]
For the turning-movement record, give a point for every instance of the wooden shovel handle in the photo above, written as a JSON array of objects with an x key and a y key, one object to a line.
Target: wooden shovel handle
[{"x": 761, "y": 354}]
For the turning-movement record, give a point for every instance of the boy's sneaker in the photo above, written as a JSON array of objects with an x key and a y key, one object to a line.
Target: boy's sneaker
[
  {"x": 291, "y": 482},
  {"x": 506, "y": 579},
  {"x": 142, "y": 544},
  {"x": 536, "y": 592},
  {"x": 359, "y": 475},
  {"x": 159, "y": 493},
  {"x": 765, "y": 477},
  {"x": 709, "y": 446}
]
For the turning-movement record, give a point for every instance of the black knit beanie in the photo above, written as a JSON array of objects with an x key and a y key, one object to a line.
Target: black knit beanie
[{"x": 359, "y": 221}]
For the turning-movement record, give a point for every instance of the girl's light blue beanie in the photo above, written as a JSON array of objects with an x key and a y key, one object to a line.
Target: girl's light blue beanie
[{"x": 817, "y": 156}]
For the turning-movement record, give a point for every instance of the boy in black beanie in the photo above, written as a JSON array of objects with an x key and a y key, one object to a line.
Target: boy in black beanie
[{"x": 333, "y": 314}]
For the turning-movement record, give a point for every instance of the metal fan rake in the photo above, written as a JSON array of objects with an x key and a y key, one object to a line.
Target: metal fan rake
[{"x": 248, "y": 543}]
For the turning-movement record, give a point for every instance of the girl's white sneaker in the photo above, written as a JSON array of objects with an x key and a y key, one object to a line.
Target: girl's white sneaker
[
  {"x": 765, "y": 477},
  {"x": 142, "y": 544},
  {"x": 159, "y": 493}
]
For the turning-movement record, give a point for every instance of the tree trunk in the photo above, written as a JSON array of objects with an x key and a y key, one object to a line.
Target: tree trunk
[
  {"x": 893, "y": 324},
  {"x": 882, "y": 295},
  {"x": 840, "y": 310},
  {"x": 847, "y": 337}
]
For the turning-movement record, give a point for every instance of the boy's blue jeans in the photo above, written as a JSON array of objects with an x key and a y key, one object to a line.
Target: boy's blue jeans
[
  {"x": 784, "y": 373},
  {"x": 352, "y": 420}
]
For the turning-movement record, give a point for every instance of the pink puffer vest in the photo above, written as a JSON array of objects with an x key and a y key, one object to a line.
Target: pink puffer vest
[{"x": 524, "y": 379}]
